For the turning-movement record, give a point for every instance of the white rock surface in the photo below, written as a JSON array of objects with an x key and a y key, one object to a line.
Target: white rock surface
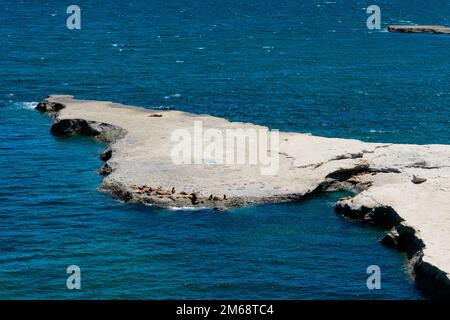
[{"x": 382, "y": 173}]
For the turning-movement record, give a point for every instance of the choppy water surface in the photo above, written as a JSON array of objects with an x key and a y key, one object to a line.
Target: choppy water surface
[{"x": 307, "y": 66}]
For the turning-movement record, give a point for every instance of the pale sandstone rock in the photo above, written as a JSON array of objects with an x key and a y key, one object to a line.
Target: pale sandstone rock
[{"x": 139, "y": 169}]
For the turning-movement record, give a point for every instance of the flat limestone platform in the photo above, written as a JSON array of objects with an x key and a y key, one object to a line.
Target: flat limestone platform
[
  {"x": 419, "y": 29},
  {"x": 403, "y": 188}
]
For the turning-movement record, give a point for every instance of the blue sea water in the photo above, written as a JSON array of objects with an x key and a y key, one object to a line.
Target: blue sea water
[{"x": 306, "y": 66}]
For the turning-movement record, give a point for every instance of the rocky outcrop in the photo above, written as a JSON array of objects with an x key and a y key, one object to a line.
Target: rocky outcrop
[
  {"x": 62, "y": 127},
  {"x": 434, "y": 282},
  {"x": 101, "y": 131},
  {"x": 49, "y": 106},
  {"x": 106, "y": 155},
  {"x": 419, "y": 29},
  {"x": 402, "y": 188}
]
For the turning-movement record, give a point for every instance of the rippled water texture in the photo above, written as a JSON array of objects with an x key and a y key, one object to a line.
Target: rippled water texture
[{"x": 306, "y": 66}]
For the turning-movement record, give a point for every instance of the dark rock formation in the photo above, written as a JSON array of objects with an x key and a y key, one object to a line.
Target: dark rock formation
[
  {"x": 433, "y": 282},
  {"x": 390, "y": 239},
  {"x": 418, "y": 180},
  {"x": 49, "y": 106},
  {"x": 106, "y": 155},
  {"x": 73, "y": 126},
  {"x": 105, "y": 170},
  {"x": 419, "y": 29}
]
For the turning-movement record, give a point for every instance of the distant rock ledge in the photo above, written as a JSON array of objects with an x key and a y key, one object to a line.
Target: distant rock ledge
[
  {"x": 404, "y": 189},
  {"x": 419, "y": 29}
]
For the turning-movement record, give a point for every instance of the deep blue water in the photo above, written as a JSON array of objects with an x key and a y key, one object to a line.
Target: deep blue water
[{"x": 307, "y": 66}]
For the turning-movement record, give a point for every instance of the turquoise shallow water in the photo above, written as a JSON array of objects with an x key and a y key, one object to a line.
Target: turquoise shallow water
[{"x": 307, "y": 67}]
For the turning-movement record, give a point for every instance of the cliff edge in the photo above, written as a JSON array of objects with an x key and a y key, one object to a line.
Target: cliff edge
[{"x": 402, "y": 188}]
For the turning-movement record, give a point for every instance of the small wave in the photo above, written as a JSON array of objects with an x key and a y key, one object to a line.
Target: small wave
[
  {"x": 377, "y": 131},
  {"x": 175, "y": 95},
  {"x": 163, "y": 107},
  {"x": 331, "y": 204},
  {"x": 187, "y": 208},
  {"x": 27, "y": 105}
]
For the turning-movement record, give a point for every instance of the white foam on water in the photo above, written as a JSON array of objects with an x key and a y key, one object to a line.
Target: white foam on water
[
  {"x": 27, "y": 105},
  {"x": 331, "y": 204},
  {"x": 175, "y": 95},
  {"x": 163, "y": 107},
  {"x": 187, "y": 208}
]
